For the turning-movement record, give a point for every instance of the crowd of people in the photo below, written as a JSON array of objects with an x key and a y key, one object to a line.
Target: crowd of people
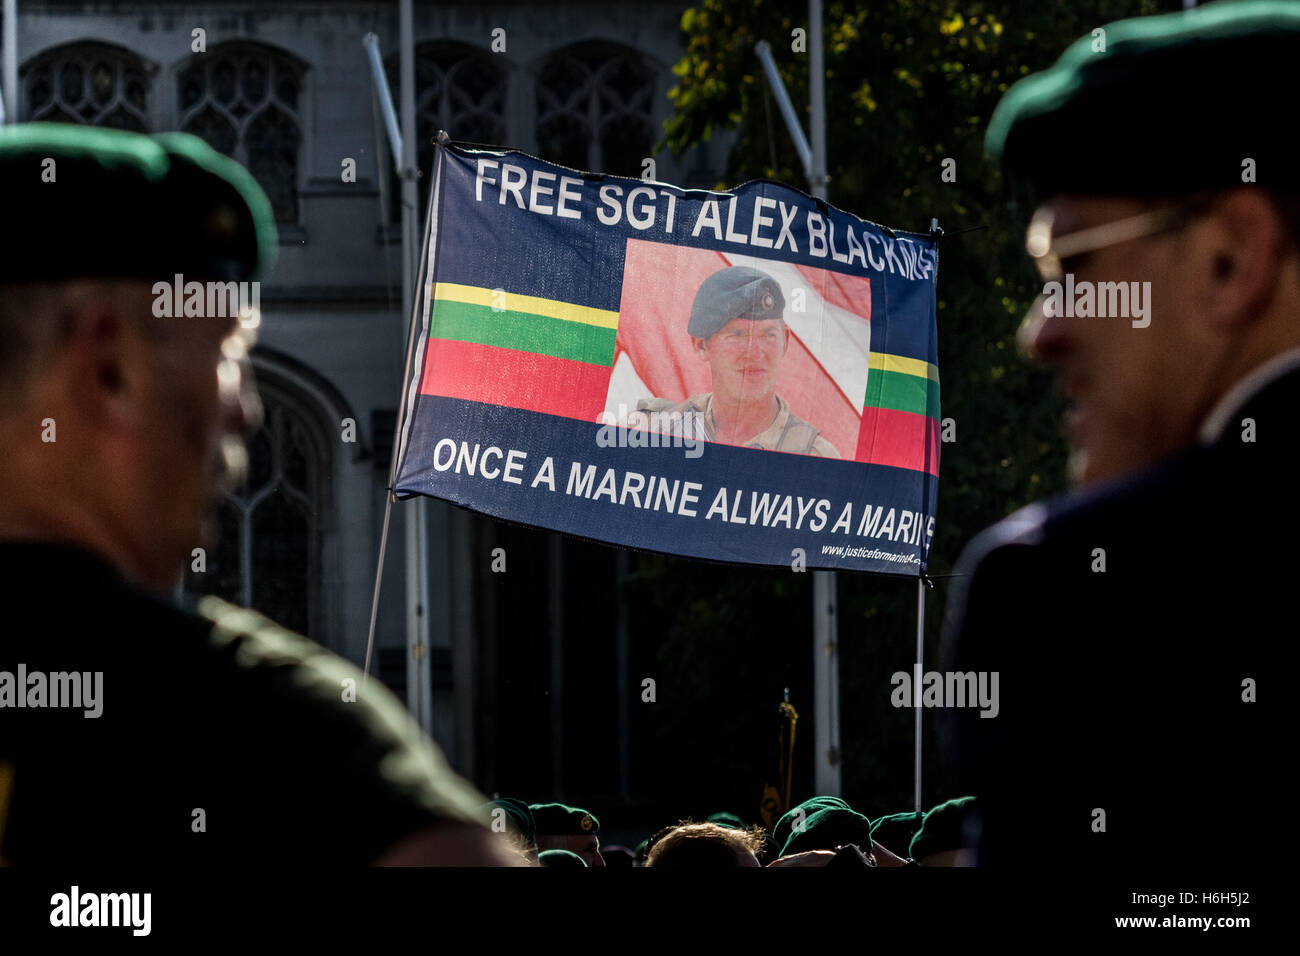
[{"x": 821, "y": 831}]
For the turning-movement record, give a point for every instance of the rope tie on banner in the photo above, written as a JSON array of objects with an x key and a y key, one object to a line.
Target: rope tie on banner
[{"x": 958, "y": 232}]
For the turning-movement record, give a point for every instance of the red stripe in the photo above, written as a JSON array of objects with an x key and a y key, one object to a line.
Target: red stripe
[
  {"x": 901, "y": 439},
  {"x": 827, "y": 407},
  {"x": 497, "y": 376},
  {"x": 850, "y": 293}
]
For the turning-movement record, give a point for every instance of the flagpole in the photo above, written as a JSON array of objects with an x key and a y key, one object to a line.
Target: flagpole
[
  {"x": 920, "y": 652},
  {"x": 9, "y": 79},
  {"x": 826, "y": 664},
  {"x": 826, "y": 655},
  {"x": 402, "y": 141},
  {"x": 916, "y": 687},
  {"x": 419, "y": 676}
]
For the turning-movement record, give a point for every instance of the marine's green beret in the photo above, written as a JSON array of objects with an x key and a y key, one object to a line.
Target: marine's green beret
[
  {"x": 737, "y": 292},
  {"x": 81, "y": 201},
  {"x": 828, "y": 828},
  {"x": 518, "y": 818},
  {"x": 562, "y": 859},
  {"x": 894, "y": 831},
  {"x": 943, "y": 829},
  {"x": 781, "y": 832},
  {"x": 1159, "y": 106},
  {"x": 724, "y": 819},
  {"x": 556, "y": 819}
]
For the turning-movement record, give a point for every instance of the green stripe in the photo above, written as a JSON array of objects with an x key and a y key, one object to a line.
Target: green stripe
[
  {"x": 902, "y": 392},
  {"x": 523, "y": 332}
]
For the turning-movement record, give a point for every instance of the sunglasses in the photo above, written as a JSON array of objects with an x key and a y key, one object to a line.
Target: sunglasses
[{"x": 1051, "y": 253}]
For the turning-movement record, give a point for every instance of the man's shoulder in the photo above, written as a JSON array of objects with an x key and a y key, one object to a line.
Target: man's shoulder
[
  {"x": 287, "y": 748},
  {"x": 1159, "y": 499},
  {"x": 802, "y": 436},
  {"x": 336, "y": 708}
]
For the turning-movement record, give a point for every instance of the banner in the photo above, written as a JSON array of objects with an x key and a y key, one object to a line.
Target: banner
[{"x": 747, "y": 376}]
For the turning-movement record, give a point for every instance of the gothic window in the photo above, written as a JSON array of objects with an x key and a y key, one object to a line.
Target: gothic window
[
  {"x": 91, "y": 83},
  {"x": 269, "y": 553},
  {"x": 244, "y": 100},
  {"x": 593, "y": 109},
  {"x": 459, "y": 89}
]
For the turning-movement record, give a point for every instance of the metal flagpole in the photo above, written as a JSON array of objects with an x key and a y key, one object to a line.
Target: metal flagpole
[
  {"x": 9, "y": 79},
  {"x": 916, "y": 683},
  {"x": 419, "y": 689},
  {"x": 384, "y": 98},
  {"x": 419, "y": 676},
  {"x": 920, "y": 655},
  {"x": 826, "y": 663},
  {"x": 826, "y": 723}
]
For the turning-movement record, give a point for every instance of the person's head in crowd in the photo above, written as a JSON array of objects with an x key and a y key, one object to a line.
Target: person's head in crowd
[
  {"x": 797, "y": 816},
  {"x": 895, "y": 831},
  {"x": 639, "y": 854},
  {"x": 514, "y": 820},
  {"x": 726, "y": 819},
  {"x": 1169, "y": 265},
  {"x": 947, "y": 836},
  {"x": 561, "y": 827},
  {"x": 829, "y": 828},
  {"x": 618, "y": 857},
  {"x": 561, "y": 860},
  {"x": 705, "y": 846},
  {"x": 770, "y": 849}
]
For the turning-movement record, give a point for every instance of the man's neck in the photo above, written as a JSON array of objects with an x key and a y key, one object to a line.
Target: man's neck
[
  {"x": 35, "y": 524},
  {"x": 738, "y": 422}
]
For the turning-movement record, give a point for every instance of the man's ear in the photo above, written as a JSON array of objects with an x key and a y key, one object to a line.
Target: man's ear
[
  {"x": 104, "y": 358},
  {"x": 701, "y": 347},
  {"x": 1237, "y": 254}
]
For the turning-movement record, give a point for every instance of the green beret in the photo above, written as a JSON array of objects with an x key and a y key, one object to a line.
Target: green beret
[
  {"x": 737, "y": 292},
  {"x": 785, "y": 826},
  {"x": 729, "y": 820},
  {"x": 828, "y": 828},
  {"x": 81, "y": 201},
  {"x": 1174, "y": 104},
  {"x": 556, "y": 819},
  {"x": 895, "y": 830},
  {"x": 943, "y": 829},
  {"x": 562, "y": 859},
  {"x": 518, "y": 818}
]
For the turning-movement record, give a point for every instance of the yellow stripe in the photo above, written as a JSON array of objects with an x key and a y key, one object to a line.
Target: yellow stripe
[
  {"x": 514, "y": 302},
  {"x": 908, "y": 366}
]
